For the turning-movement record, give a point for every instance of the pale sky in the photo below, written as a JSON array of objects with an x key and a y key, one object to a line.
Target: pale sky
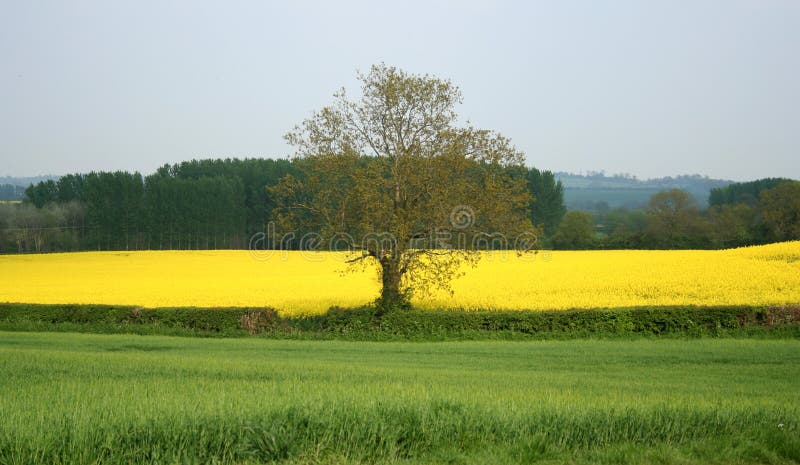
[{"x": 651, "y": 88}]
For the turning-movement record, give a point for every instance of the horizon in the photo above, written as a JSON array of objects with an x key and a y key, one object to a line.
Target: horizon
[{"x": 586, "y": 173}]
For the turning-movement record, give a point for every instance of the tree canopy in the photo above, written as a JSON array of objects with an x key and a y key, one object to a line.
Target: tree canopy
[{"x": 394, "y": 178}]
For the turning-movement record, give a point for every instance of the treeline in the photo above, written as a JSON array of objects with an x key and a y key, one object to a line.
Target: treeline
[
  {"x": 747, "y": 193},
  {"x": 198, "y": 204},
  {"x": 221, "y": 204},
  {"x": 740, "y": 214}
]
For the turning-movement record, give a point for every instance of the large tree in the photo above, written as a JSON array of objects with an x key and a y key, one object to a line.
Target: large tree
[{"x": 393, "y": 178}]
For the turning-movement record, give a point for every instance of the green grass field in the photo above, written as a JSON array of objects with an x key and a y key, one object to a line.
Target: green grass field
[{"x": 77, "y": 398}]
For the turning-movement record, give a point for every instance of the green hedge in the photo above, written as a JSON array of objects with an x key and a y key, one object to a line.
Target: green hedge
[
  {"x": 364, "y": 323},
  {"x": 651, "y": 321},
  {"x": 108, "y": 318}
]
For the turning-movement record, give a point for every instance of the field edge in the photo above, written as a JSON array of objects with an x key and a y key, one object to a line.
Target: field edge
[{"x": 363, "y": 323}]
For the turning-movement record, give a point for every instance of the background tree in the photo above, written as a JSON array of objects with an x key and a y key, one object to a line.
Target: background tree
[
  {"x": 674, "y": 221},
  {"x": 114, "y": 212},
  {"x": 392, "y": 176},
  {"x": 625, "y": 229},
  {"x": 780, "y": 209},
  {"x": 253, "y": 174},
  {"x": 575, "y": 232},
  {"x": 743, "y": 192},
  {"x": 732, "y": 225},
  {"x": 547, "y": 206},
  {"x": 42, "y": 193}
]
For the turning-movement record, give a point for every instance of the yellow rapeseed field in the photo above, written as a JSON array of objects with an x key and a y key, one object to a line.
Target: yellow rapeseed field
[{"x": 295, "y": 282}]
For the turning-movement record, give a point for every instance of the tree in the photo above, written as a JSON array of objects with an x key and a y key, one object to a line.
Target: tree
[
  {"x": 732, "y": 225},
  {"x": 42, "y": 193},
  {"x": 391, "y": 177},
  {"x": 780, "y": 209},
  {"x": 114, "y": 204},
  {"x": 674, "y": 221},
  {"x": 254, "y": 175},
  {"x": 70, "y": 188},
  {"x": 576, "y": 231},
  {"x": 625, "y": 229},
  {"x": 742, "y": 192},
  {"x": 547, "y": 208}
]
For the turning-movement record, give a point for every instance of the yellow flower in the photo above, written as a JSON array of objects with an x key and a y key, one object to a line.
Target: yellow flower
[{"x": 303, "y": 282}]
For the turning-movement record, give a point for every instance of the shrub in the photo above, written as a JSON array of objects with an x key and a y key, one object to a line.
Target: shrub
[{"x": 367, "y": 323}]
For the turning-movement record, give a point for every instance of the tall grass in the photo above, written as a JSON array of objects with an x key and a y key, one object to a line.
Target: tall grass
[{"x": 68, "y": 398}]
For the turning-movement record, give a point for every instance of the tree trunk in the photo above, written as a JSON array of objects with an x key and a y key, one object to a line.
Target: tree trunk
[{"x": 391, "y": 294}]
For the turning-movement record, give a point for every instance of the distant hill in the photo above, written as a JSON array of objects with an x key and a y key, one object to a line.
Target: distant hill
[
  {"x": 13, "y": 188},
  {"x": 26, "y": 181},
  {"x": 596, "y": 191},
  {"x": 11, "y": 192}
]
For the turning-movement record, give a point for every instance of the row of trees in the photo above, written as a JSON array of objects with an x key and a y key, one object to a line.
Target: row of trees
[
  {"x": 747, "y": 193},
  {"x": 214, "y": 204},
  {"x": 198, "y": 204},
  {"x": 192, "y": 205},
  {"x": 741, "y": 214}
]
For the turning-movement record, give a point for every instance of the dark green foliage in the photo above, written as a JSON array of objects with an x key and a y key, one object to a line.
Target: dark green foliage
[
  {"x": 186, "y": 213},
  {"x": 547, "y": 208},
  {"x": 674, "y": 221},
  {"x": 742, "y": 192},
  {"x": 254, "y": 174},
  {"x": 576, "y": 231},
  {"x": 780, "y": 211},
  {"x": 71, "y": 187},
  {"x": 103, "y": 318},
  {"x": 648, "y": 321},
  {"x": 211, "y": 204},
  {"x": 368, "y": 323},
  {"x": 197, "y": 204},
  {"x": 114, "y": 210},
  {"x": 622, "y": 229},
  {"x": 734, "y": 225},
  {"x": 42, "y": 193}
]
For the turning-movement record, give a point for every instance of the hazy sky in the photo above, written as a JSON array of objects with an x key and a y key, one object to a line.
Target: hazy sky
[{"x": 642, "y": 87}]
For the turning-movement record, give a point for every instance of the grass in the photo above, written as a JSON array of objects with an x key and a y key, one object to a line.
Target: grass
[{"x": 79, "y": 398}]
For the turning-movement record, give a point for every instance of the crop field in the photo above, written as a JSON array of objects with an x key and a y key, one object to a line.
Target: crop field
[
  {"x": 77, "y": 398},
  {"x": 304, "y": 282}
]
